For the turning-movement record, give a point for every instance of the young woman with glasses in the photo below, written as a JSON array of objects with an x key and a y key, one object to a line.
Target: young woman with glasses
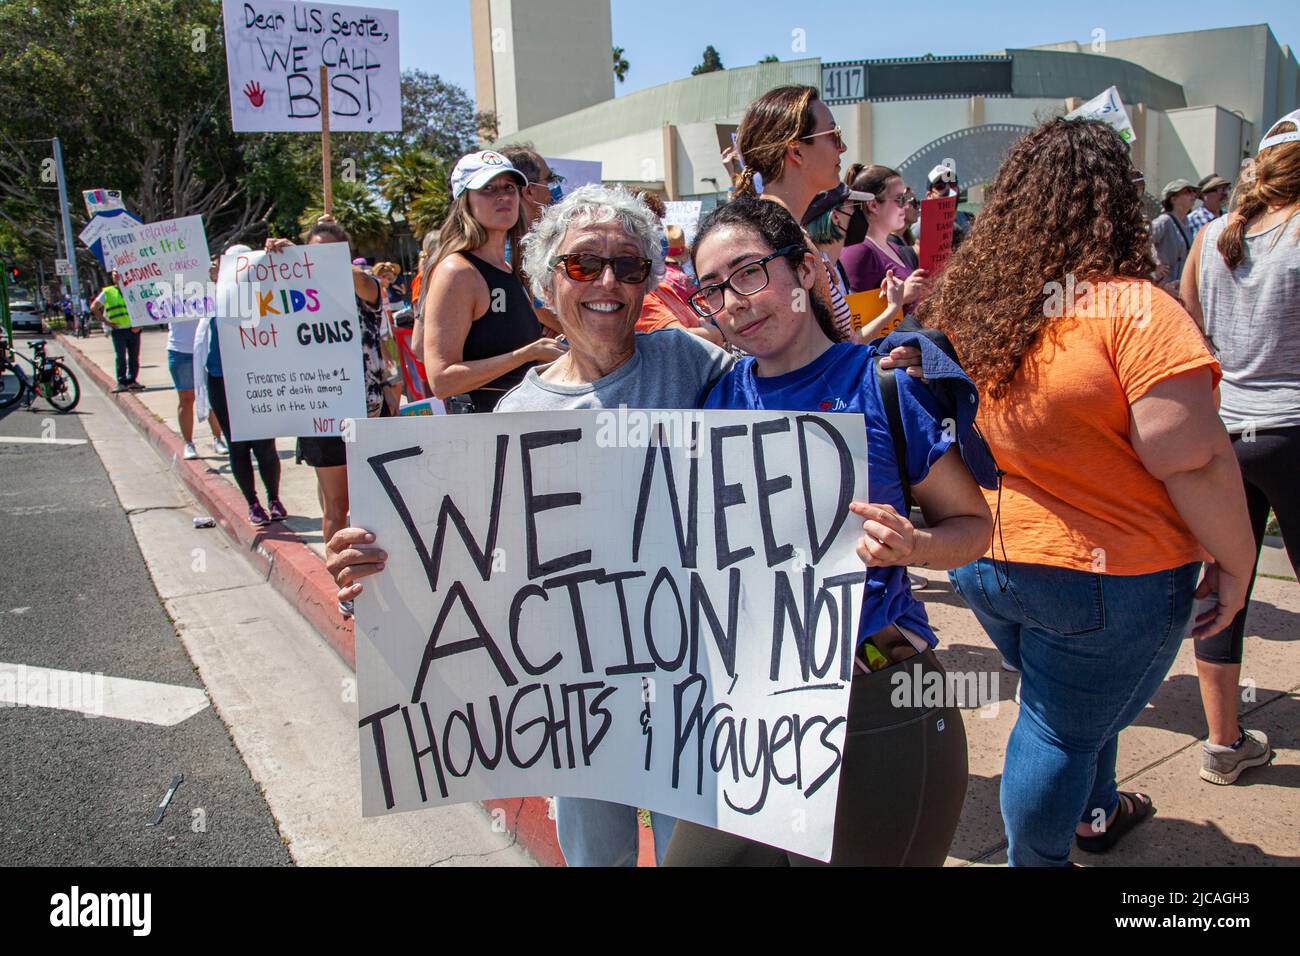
[
  {"x": 480, "y": 332},
  {"x": 904, "y": 771}
]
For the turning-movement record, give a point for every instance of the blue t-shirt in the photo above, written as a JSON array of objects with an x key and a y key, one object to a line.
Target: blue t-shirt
[
  {"x": 842, "y": 379},
  {"x": 214, "y": 350}
]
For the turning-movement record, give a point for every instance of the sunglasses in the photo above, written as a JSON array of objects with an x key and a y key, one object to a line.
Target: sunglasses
[
  {"x": 587, "y": 267},
  {"x": 835, "y": 131}
]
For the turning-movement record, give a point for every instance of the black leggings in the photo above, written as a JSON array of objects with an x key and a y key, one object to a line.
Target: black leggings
[
  {"x": 242, "y": 452},
  {"x": 902, "y": 785},
  {"x": 1270, "y": 468}
]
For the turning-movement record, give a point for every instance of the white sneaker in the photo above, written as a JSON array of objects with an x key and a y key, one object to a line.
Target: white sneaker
[
  {"x": 221, "y": 446},
  {"x": 190, "y": 452}
]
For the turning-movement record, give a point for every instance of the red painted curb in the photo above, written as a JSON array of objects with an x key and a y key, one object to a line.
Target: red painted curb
[{"x": 298, "y": 574}]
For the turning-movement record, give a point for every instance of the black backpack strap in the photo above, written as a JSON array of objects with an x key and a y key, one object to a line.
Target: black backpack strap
[{"x": 894, "y": 413}]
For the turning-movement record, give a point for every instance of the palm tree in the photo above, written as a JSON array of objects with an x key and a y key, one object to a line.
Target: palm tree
[
  {"x": 620, "y": 64},
  {"x": 411, "y": 173},
  {"x": 355, "y": 209}
]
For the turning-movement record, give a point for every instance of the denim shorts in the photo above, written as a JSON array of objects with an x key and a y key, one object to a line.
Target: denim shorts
[{"x": 181, "y": 365}]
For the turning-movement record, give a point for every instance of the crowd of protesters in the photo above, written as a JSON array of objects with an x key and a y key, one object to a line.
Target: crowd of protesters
[{"x": 1103, "y": 496}]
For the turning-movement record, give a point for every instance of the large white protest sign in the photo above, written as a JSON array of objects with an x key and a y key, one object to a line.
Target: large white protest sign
[
  {"x": 1108, "y": 108},
  {"x": 654, "y": 608},
  {"x": 290, "y": 342},
  {"x": 686, "y": 214},
  {"x": 162, "y": 269},
  {"x": 274, "y": 52}
]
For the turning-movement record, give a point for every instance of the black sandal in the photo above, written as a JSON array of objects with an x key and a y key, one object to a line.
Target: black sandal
[{"x": 1133, "y": 809}]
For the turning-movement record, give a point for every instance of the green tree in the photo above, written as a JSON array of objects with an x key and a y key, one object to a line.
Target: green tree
[
  {"x": 711, "y": 63},
  {"x": 414, "y": 183},
  {"x": 620, "y": 64},
  {"x": 770, "y": 58},
  {"x": 355, "y": 208}
]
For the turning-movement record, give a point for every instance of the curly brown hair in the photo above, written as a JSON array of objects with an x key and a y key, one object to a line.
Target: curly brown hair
[{"x": 1066, "y": 201}]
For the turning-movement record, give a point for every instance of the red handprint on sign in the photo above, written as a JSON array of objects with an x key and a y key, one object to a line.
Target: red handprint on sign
[{"x": 256, "y": 95}]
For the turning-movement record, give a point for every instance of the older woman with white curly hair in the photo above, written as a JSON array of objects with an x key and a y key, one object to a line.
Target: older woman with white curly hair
[{"x": 591, "y": 258}]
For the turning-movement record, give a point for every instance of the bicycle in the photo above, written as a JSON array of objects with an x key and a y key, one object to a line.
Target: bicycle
[{"x": 50, "y": 378}]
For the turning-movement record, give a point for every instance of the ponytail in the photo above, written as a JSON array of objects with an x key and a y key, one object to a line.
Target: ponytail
[{"x": 1276, "y": 185}]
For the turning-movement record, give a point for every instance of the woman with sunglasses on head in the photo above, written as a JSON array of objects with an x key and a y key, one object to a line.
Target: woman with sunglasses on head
[
  {"x": 791, "y": 147},
  {"x": 867, "y": 262},
  {"x": 1118, "y": 475},
  {"x": 903, "y": 239},
  {"x": 480, "y": 332},
  {"x": 904, "y": 772}
]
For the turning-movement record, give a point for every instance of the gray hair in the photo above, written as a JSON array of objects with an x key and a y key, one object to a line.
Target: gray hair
[{"x": 585, "y": 206}]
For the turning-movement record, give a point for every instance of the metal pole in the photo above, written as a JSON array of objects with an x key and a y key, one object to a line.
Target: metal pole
[{"x": 68, "y": 248}]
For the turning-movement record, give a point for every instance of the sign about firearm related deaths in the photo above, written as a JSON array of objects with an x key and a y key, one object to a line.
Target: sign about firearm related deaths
[
  {"x": 290, "y": 342},
  {"x": 274, "y": 52},
  {"x": 162, "y": 270},
  {"x": 657, "y": 608}
]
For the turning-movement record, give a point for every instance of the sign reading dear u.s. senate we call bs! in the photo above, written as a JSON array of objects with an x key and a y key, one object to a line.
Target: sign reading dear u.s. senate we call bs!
[
  {"x": 274, "y": 52},
  {"x": 290, "y": 342},
  {"x": 654, "y": 608}
]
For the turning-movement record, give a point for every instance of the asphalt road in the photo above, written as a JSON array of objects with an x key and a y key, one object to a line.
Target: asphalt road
[{"x": 78, "y": 791}]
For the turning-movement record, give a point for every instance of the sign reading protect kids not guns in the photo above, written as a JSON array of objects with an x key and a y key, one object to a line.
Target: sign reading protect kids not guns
[
  {"x": 654, "y": 608},
  {"x": 162, "y": 269},
  {"x": 290, "y": 342},
  {"x": 274, "y": 52}
]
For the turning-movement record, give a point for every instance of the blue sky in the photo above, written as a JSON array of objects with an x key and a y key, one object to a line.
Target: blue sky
[{"x": 663, "y": 39}]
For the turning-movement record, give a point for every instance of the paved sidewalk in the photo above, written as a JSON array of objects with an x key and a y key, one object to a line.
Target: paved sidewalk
[{"x": 1256, "y": 822}]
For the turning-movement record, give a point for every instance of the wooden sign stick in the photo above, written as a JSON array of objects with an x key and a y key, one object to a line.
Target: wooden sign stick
[{"x": 326, "y": 176}]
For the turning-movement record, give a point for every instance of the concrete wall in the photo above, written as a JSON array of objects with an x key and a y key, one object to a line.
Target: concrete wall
[
  {"x": 1198, "y": 141},
  {"x": 1230, "y": 67},
  {"x": 547, "y": 59}
]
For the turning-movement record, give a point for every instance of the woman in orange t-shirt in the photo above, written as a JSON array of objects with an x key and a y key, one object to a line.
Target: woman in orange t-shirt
[{"x": 1098, "y": 400}]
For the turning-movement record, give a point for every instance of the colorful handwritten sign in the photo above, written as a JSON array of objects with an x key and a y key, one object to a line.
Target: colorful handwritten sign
[
  {"x": 654, "y": 608},
  {"x": 274, "y": 52},
  {"x": 290, "y": 342},
  {"x": 162, "y": 269}
]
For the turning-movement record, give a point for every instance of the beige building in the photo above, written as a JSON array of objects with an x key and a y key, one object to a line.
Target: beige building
[{"x": 1198, "y": 101}]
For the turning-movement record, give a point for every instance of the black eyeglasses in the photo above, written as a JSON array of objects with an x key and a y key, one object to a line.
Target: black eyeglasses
[
  {"x": 588, "y": 267},
  {"x": 749, "y": 279}
]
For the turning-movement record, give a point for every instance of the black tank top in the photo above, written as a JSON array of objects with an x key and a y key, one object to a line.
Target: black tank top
[{"x": 497, "y": 332}]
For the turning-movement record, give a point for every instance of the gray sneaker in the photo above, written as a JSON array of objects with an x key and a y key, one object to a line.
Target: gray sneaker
[{"x": 1225, "y": 767}]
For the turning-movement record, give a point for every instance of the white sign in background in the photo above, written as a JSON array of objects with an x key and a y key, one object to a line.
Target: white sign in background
[
  {"x": 290, "y": 342},
  {"x": 575, "y": 172},
  {"x": 274, "y": 52},
  {"x": 1109, "y": 108},
  {"x": 684, "y": 213},
  {"x": 568, "y": 610},
  {"x": 162, "y": 269}
]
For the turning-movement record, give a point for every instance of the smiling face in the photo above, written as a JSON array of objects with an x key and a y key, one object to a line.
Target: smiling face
[
  {"x": 597, "y": 316},
  {"x": 886, "y": 208},
  {"x": 768, "y": 322},
  {"x": 496, "y": 205}
]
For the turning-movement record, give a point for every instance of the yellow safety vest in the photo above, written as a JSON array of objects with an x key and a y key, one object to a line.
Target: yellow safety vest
[{"x": 115, "y": 311}]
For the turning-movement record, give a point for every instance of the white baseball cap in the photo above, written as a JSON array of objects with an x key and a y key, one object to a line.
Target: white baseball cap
[
  {"x": 942, "y": 171},
  {"x": 1274, "y": 139},
  {"x": 476, "y": 170}
]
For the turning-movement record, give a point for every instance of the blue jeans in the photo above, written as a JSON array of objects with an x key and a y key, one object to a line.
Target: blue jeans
[
  {"x": 1092, "y": 650},
  {"x": 599, "y": 833}
]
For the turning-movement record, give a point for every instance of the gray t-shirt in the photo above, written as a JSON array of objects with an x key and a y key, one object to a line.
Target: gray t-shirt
[
  {"x": 669, "y": 369},
  {"x": 1251, "y": 317}
]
